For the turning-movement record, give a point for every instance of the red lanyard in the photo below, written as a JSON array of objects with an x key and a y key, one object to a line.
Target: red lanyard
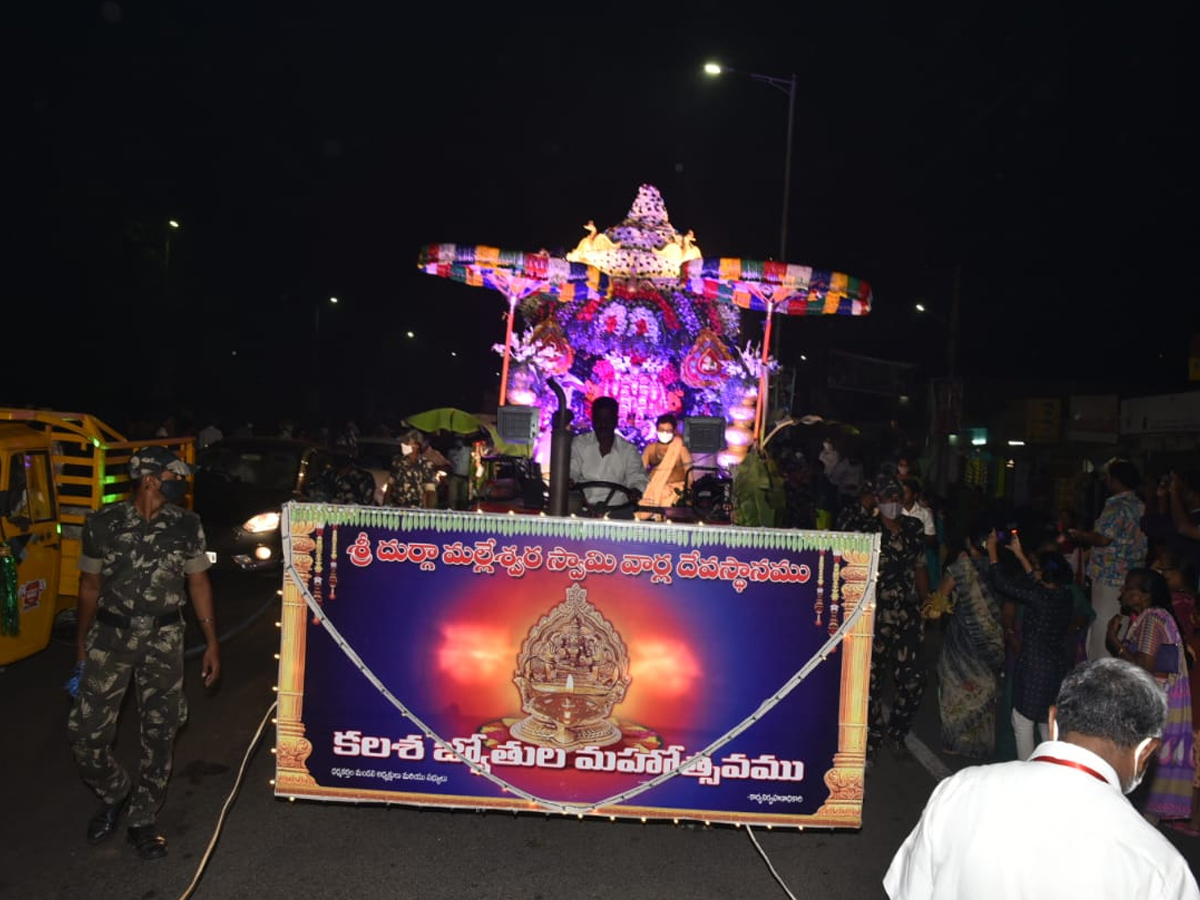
[{"x": 1072, "y": 765}]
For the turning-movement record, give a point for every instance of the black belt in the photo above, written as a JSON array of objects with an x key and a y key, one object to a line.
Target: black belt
[{"x": 116, "y": 620}]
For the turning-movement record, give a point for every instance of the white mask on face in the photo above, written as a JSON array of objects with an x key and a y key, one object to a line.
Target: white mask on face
[
  {"x": 1137, "y": 777},
  {"x": 890, "y": 510},
  {"x": 665, "y": 437},
  {"x": 406, "y": 449}
]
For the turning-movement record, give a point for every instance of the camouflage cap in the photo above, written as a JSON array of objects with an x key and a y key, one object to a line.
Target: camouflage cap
[
  {"x": 887, "y": 486},
  {"x": 153, "y": 460}
]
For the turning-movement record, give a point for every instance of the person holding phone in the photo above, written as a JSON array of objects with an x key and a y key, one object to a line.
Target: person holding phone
[
  {"x": 1117, "y": 544},
  {"x": 1044, "y": 592}
]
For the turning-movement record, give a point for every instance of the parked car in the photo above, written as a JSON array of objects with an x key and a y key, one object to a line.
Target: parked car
[{"x": 241, "y": 486}]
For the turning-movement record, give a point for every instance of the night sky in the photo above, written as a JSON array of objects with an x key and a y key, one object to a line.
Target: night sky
[{"x": 309, "y": 149}]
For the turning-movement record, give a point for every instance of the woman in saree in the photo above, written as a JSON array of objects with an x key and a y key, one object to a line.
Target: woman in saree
[
  {"x": 1154, "y": 642},
  {"x": 667, "y": 460},
  {"x": 972, "y": 655}
]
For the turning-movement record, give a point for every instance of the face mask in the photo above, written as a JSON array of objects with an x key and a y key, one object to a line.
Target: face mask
[
  {"x": 665, "y": 437},
  {"x": 1137, "y": 777},
  {"x": 890, "y": 510},
  {"x": 173, "y": 491},
  {"x": 406, "y": 449}
]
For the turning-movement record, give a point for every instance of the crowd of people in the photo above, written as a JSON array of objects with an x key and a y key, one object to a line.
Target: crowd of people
[
  {"x": 1017, "y": 609},
  {"x": 1059, "y": 644}
]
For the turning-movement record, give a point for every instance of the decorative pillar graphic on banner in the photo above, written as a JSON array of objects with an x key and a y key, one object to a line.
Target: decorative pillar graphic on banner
[
  {"x": 292, "y": 748},
  {"x": 845, "y": 779}
]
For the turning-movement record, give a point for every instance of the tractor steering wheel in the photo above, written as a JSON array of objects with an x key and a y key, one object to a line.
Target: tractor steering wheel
[{"x": 598, "y": 509}]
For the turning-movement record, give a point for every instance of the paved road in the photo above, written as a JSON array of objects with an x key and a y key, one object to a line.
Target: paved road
[{"x": 269, "y": 848}]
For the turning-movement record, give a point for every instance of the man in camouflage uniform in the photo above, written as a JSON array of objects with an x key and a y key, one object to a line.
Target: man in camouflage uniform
[
  {"x": 901, "y": 590},
  {"x": 860, "y": 516},
  {"x": 410, "y": 473},
  {"x": 346, "y": 482},
  {"x": 135, "y": 559}
]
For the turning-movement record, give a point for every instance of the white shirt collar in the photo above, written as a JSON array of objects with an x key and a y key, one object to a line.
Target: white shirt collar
[{"x": 1075, "y": 753}]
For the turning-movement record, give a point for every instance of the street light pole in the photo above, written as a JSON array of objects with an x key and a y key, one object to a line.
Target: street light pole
[
  {"x": 788, "y": 86},
  {"x": 172, "y": 225},
  {"x": 317, "y": 321},
  {"x": 950, "y": 395}
]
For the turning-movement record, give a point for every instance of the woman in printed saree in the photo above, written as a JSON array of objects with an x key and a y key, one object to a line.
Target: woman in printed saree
[
  {"x": 971, "y": 657},
  {"x": 1154, "y": 642}
]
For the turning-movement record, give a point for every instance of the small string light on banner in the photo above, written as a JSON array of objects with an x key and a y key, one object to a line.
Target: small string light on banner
[
  {"x": 317, "y": 594},
  {"x": 835, "y": 599},
  {"x": 333, "y": 563},
  {"x": 819, "y": 606}
]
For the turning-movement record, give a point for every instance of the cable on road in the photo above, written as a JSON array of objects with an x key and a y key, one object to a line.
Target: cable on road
[
  {"x": 767, "y": 860},
  {"x": 237, "y": 785}
]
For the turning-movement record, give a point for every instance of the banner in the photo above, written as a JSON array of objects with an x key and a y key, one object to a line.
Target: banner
[{"x": 574, "y": 666}]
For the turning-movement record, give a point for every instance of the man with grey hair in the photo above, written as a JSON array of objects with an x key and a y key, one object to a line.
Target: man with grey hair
[{"x": 1057, "y": 824}]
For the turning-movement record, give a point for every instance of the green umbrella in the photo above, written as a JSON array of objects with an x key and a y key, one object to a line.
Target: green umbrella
[{"x": 445, "y": 419}]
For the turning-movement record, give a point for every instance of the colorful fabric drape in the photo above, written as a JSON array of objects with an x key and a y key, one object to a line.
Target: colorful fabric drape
[
  {"x": 794, "y": 290},
  {"x": 513, "y": 272},
  {"x": 775, "y": 287}
]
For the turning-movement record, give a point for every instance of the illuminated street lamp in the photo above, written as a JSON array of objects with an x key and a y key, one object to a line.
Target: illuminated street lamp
[{"x": 924, "y": 310}]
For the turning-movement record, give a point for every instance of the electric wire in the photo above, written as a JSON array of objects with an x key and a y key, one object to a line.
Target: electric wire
[
  {"x": 237, "y": 785},
  {"x": 770, "y": 866}
]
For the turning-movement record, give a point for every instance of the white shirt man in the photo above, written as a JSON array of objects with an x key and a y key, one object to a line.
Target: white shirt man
[
  {"x": 913, "y": 507},
  {"x": 603, "y": 455},
  {"x": 1055, "y": 825}
]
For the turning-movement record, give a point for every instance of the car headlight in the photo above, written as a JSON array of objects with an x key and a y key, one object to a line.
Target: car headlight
[{"x": 268, "y": 521}]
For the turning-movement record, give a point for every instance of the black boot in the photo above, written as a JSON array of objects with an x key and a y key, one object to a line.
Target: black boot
[
  {"x": 103, "y": 824},
  {"x": 149, "y": 843}
]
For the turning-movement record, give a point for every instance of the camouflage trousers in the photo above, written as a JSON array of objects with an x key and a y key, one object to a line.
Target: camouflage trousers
[
  {"x": 896, "y": 649},
  {"x": 153, "y": 659}
]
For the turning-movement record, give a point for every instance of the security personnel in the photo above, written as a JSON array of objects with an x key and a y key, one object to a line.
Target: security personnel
[
  {"x": 345, "y": 481},
  {"x": 136, "y": 557}
]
